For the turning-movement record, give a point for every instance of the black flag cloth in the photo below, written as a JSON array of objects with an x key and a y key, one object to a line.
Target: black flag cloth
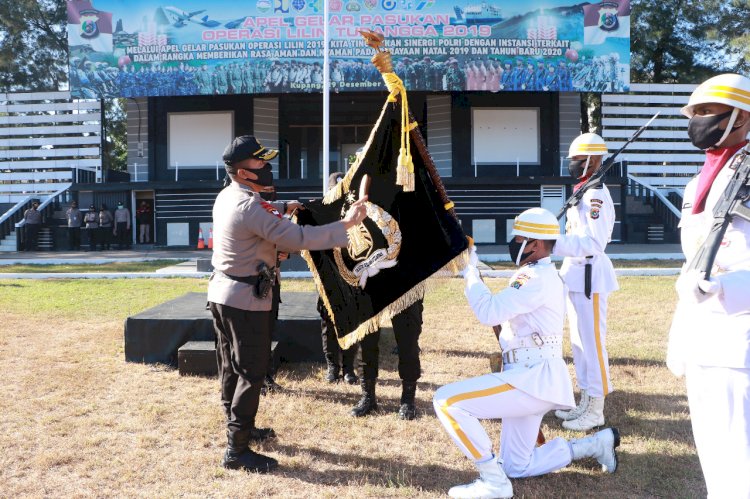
[{"x": 406, "y": 238}]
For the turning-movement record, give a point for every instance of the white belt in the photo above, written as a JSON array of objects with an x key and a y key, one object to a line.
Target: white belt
[
  {"x": 534, "y": 354},
  {"x": 533, "y": 348},
  {"x": 534, "y": 340}
]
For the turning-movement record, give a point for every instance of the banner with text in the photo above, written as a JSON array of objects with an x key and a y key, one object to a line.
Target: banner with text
[{"x": 132, "y": 48}]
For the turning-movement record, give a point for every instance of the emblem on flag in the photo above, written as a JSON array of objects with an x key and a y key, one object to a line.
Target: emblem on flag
[
  {"x": 89, "y": 28},
  {"x": 608, "y": 20}
]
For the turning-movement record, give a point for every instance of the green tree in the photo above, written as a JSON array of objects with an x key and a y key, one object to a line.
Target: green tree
[
  {"x": 683, "y": 41},
  {"x": 33, "y": 45},
  {"x": 115, "y": 153}
]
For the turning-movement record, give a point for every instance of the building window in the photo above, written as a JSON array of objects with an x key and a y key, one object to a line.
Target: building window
[
  {"x": 483, "y": 231},
  {"x": 197, "y": 140},
  {"x": 178, "y": 234},
  {"x": 505, "y": 136}
]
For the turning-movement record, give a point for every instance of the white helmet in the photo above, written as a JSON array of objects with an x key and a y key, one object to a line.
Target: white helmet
[
  {"x": 730, "y": 89},
  {"x": 536, "y": 223},
  {"x": 587, "y": 144}
]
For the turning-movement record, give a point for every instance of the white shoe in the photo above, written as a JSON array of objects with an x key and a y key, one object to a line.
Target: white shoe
[
  {"x": 591, "y": 417},
  {"x": 574, "y": 413},
  {"x": 601, "y": 446},
  {"x": 492, "y": 483}
]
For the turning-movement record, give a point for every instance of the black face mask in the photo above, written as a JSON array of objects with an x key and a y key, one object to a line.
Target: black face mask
[
  {"x": 514, "y": 248},
  {"x": 704, "y": 131},
  {"x": 265, "y": 176},
  {"x": 575, "y": 167}
]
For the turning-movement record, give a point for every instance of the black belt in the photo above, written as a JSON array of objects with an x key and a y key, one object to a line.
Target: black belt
[
  {"x": 587, "y": 277},
  {"x": 250, "y": 279}
]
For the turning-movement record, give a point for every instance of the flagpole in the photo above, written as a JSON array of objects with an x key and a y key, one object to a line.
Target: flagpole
[{"x": 326, "y": 98}]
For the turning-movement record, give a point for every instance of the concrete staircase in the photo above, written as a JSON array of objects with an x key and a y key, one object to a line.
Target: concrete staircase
[{"x": 8, "y": 243}]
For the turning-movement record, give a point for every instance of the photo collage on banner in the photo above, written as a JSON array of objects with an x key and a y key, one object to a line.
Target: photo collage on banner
[{"x": 133, "y": 48}]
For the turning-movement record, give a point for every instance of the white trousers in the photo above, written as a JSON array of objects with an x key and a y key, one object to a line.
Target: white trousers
[
  {"x": 719, "y": 399},
  {"x": 460, "y": 406},
  {"x": 587, "y": 318}
]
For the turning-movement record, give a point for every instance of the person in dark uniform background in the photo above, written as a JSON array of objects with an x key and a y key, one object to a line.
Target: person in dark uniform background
[
  {"x": 247, "y": 231},
  {"x": 337, "y": 360},
  {"x": 407, "y": 326}
]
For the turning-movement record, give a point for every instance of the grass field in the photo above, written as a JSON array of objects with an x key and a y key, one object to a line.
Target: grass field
[
  {"x": 147, "y": 266},
  {"x": 78, "y": 421}
]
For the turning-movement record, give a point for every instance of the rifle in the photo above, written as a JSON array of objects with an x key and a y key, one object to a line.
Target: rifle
[
  {"x": 597, "y": 177},
  {"x": 728, "y": 206}
]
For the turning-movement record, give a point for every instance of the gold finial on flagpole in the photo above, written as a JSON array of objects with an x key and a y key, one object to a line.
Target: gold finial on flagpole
[
  {"x": 384, "y": 63},
  {"x": 382, "y": 58}
]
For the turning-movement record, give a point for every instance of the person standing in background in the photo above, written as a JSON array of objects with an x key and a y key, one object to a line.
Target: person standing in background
[
  {"x": 33, "y": 222},
  {"x": 143, "y": 217},
  {"x": 73, "y": 216},
  {"x": 122, "y": 226},
  {"x": 105, "y": 227},
  {"x": 91, "y": 219}
]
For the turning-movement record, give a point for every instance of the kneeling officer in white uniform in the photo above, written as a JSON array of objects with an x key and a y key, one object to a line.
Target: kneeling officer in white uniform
[{"x": 534, "y": 379}]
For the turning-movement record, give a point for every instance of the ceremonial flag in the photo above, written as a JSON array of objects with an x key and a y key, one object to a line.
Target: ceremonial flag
[
  {"x": 88, "y": 26},
  {"x": 408, "y": 235},
  {"x": 609, "y": 18}
]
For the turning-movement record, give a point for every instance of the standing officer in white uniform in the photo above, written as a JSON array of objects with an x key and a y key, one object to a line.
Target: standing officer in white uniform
[
  {"x": 710, "y": 336},
  {"x": 589, "y": 277},
  {"x": 534, "y": 379},
  {"x": 247, "y": 231}
]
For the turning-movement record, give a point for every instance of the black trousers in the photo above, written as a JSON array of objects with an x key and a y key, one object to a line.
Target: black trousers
[
  {"x": 407, "y": 327},
  {"x": 331, "y": 349},
  {"x": 243, "y": 340},
  {"x": 122, "y": 235},
  {"x": 32, "y": 236},
  {"x": 92, "y": 237},
  {"x": 105, "y": 237},
  {"x": 74, "y": 237}
]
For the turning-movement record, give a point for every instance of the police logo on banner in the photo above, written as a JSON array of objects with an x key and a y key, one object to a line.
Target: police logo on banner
[
  {"x": 299, "y": 5},
  {"x": 263, "y": 6},
  {"x": 89, "y": 27},
  {"x": 370, "y": 4},
  {"x": 608, "y": 20}
]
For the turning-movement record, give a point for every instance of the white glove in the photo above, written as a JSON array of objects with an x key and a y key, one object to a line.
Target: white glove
[
  {"x": 692, "y": 287},
  {"x": 473, "y": 257},
  {"x": 471, "y": 267}
]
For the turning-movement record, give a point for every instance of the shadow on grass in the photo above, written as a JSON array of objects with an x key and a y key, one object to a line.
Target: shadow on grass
[
  {"x": 631, "y": 362},
  {"x": 383, "y": 472}
]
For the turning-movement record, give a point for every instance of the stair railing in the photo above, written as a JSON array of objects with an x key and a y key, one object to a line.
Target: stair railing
[
  {"x": 663, "y": 207},
  {"x": 9, "y": 219},
  {"x": 46, "y": 207}
]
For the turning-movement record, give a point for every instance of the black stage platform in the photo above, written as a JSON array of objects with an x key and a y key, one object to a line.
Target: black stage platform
[{"x": 156, "y": 334}]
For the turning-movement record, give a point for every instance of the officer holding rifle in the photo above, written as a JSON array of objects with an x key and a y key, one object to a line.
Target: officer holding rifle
[
  {"x": 710, "y": 336},
  {"x": 248, "y": 232}
]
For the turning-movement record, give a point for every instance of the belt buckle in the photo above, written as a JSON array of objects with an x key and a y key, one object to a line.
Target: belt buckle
[
  {"x": 509, "y": 357},
  {"x": 536, "y": 337}
]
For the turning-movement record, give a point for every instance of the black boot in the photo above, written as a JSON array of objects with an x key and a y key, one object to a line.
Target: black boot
[
  {"x": 261, "y": 434},
  {"x": 368, "y": 403},
  {"x": 238, "y": 456},
  {"x": 332, "y": 375},
  {"x": 270, "y": 385},
  {"x": 408, "y": 410},
  {"x": 350, "y": 376}
]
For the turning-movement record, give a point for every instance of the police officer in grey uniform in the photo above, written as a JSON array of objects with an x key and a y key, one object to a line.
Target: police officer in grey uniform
[{"x": 248, "y": 232}]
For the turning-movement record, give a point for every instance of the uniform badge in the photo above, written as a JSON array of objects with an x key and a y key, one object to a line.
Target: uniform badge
[
  {"x": 594, "y": 213},
  {"x": 270, "y": 209},
  {"x": 520, "y": 280}
]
